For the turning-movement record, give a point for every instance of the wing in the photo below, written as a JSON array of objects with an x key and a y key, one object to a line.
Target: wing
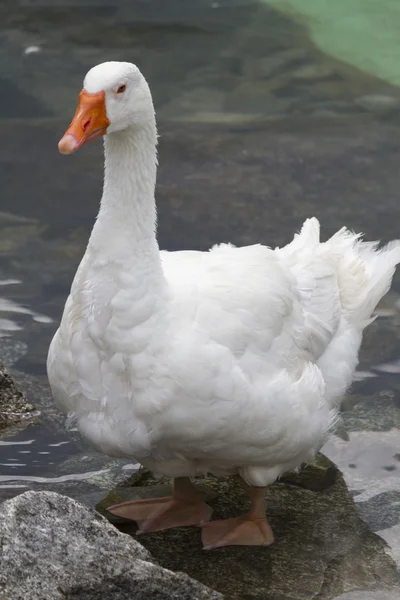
[{"x": 254, "y": 299}]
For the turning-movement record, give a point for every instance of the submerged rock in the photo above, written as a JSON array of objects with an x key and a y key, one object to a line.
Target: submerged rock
[
  {"x": 53, "y": 548},
  {"x": 378, "y": 102},
  {"x": 314, "y": 72},
  {"x": 383, "y": 595},
  {"x": 13, "y": 404},
  {"x": 322, "y": 546}
]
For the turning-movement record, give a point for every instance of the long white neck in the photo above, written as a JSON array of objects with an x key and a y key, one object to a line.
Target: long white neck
[
  {"x": 123, "y": 255},
  {"x": 127, "y": 218}
]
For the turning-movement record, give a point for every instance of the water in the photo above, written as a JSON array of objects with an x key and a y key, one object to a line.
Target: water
[{"x": 259, "y": 130}]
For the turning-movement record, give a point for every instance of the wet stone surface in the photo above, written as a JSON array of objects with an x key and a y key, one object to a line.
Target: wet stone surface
[
  {"x": 14, "y": 406},
  {"x": 322, "y": 546},
  {"x": 259, "y": 130}
]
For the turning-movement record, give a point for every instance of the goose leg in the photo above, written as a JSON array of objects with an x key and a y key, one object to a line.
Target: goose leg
[
  {"x": 185, "y": 507},
  {"x": 252, "y": 529}
]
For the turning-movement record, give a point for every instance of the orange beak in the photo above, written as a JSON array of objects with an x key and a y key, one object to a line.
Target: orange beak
[{"x": 90, "y": 122}]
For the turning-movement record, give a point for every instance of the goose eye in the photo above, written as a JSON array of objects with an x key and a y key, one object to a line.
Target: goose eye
[{"x": 121, "y": 89}]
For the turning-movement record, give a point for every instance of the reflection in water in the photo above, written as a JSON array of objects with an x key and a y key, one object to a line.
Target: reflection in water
[
  {"x": 44, "y": 457},
  {"x": 61, "y": 479},
  {"x": 9, "y": 307},
  {"x": 362, "y": 375},
  {"x": 6, "y": 326},
  {"x": 365, "y": 459},
  {"x": 41, "y": 448},
  {"x": 14, "y": 443},
  {"x": 392, "y": 367}
]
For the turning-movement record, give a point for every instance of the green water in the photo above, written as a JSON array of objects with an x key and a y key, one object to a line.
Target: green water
[{"x": 363, "y": 33}]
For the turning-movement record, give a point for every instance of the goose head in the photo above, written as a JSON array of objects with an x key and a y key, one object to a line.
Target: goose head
[{"x": 115, "y": 97}]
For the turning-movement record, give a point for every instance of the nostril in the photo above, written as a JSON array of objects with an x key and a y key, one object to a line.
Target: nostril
[{"x": 86, "y": 124}]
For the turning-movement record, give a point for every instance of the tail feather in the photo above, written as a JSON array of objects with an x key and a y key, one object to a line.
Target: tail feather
[
  {"x": 364, "y": 271},
  {"x": 365, "y": 275}
]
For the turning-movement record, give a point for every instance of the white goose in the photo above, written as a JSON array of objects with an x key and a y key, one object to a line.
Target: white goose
[{"x": 228, "y": 361}]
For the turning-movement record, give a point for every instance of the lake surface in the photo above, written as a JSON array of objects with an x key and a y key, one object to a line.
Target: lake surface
[{"x": 259, "y": 130}]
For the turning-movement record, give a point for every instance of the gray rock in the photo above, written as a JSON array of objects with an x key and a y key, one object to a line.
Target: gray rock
[
  {"x": 53, "y": 548},
  {"x": 13, "y": 404}
]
